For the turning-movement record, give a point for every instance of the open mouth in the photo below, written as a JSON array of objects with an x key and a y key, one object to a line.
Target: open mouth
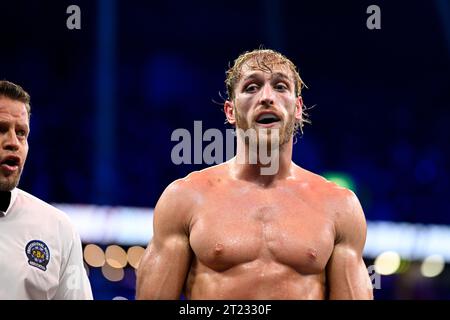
[
  {"x": 11, "y": 162},
  {"x": 267, "y": 118}
]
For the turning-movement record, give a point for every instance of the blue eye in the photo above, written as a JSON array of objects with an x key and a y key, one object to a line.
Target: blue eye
[
  {"x": 251, "y": 88},
  {"x": 281, "y": 87}
]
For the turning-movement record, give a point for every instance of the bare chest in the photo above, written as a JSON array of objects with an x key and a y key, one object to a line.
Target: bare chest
[{"x": 233, "y": 230}]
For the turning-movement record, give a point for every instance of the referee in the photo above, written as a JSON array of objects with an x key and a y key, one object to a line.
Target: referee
[{"x": 41, "y": 255}]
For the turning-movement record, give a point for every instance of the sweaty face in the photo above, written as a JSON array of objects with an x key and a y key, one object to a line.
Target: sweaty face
[
  {"x": 14, "y": 130},
  {"x": 265, "y": 101}
]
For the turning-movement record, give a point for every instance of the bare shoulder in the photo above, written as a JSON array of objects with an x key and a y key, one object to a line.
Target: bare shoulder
[
  {"x": 184, "y": 194},
  {"x": 325, "y": 188},
  {"x": 196, "y": 183},
  {"x": 341, "y": 202}
]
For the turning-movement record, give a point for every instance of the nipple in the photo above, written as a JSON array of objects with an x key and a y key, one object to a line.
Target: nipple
[
  {"x": 218, "y": 248},
  {"x": 312, "y": 253}
]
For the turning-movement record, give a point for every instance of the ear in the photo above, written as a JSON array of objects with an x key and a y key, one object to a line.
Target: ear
[
  {"x": 299, "y": 108},
  {"x": 228, "y": 108}
]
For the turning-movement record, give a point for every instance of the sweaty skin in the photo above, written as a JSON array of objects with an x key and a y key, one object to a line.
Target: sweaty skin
[
  {"x": 217, "y": 237},
  {"x": 229, "y": 232}
]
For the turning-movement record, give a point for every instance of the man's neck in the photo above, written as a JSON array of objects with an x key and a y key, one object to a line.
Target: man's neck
[{"x": 262, "y": 174}]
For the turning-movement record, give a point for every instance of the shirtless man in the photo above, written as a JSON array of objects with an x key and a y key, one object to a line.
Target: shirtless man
[{"x": 230, "y": 232}]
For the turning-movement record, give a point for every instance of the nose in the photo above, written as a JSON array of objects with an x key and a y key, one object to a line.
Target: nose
[
  {"x": 266, "y": 98},
  {"x": 11, "y": 142}
]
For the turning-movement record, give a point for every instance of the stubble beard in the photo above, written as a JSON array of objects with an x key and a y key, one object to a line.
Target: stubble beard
[
  {"x": 285, "y": 133},
  {"x": 10, "y": 182}
]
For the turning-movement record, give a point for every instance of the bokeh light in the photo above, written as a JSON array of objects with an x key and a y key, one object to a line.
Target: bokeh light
[
  {"x": 387, "y": 263},
  {"x": 134, "y": 256},
  {"x": 115, "y": 256},
  {"x": 112, "y": 274},
  {"x": 94, "y": 255},
  {"x": 432, "y": 266}
]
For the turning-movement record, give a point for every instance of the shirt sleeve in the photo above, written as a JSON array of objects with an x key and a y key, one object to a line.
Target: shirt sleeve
[{"x": 74, "y": 283}]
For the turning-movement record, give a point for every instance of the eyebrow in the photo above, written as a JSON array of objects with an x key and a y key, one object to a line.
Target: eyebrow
[
  {"x": 18, "y": 124},
  {"x": 274, "y": 75},
  {"x": 281, "y": 75}
]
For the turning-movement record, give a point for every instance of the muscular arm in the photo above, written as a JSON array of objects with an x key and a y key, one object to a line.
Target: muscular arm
[
  {"x": 346, "y": 272},
  {"x": 164, "y": 266}
]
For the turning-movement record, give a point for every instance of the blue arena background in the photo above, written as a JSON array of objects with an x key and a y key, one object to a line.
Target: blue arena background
[{"x": 106, "y": 99}]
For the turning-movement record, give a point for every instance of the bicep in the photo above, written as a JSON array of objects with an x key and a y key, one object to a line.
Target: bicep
[
  {"x": 164, "y": 266},
  {"x": 347, "y": 275}
]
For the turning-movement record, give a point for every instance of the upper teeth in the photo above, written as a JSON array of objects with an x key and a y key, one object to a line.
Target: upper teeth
[{"x": 267, "y": 116}]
